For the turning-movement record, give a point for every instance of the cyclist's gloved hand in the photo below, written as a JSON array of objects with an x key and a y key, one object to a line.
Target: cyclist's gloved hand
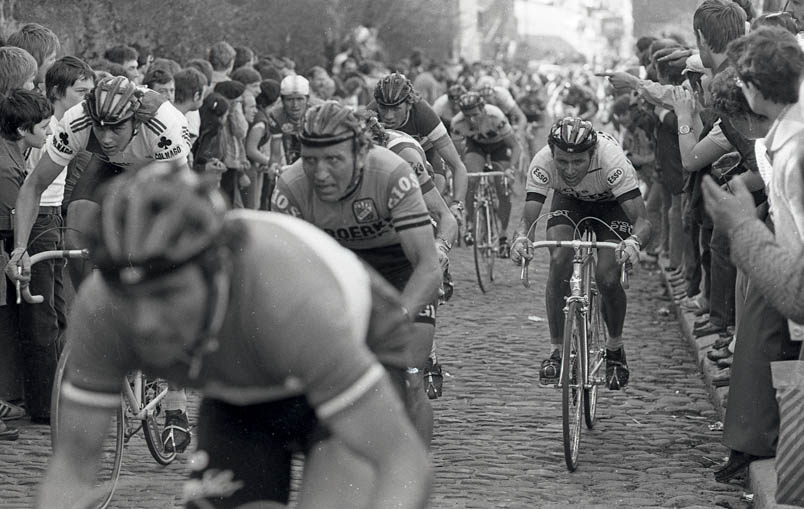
[
  {"x": 520, "y": 250},
  {"x": 456, "y": 207},
  {"x": 628, "y": 251},
  {"x": 19, "y": 259},
  {"x": 443, "y": 254}
]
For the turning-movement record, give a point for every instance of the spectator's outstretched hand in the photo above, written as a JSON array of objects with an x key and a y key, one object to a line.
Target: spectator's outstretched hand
[
  {"x": 620, "y": 80},
  {"x": 727, "y": 210},
  {"x": 678, "y": 58},
  {"x": 684, "y": 102}
]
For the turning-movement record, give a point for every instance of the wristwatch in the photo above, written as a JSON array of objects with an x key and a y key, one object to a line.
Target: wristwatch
[{"x": 684, "y": 129}]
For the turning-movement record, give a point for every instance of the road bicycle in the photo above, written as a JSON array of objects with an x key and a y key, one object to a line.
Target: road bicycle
[
  {"x": 486, "y": 227},
  {"x": 140, "y": 408},
  {"x": 584, "y": 343}
]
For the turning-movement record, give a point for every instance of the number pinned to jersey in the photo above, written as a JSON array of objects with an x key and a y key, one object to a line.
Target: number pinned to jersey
[
  {"x": 540, "y": 176},
  {"x": 614, "y": 176}
]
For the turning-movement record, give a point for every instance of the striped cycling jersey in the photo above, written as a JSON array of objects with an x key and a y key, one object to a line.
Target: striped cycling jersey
[
  {"x": 610, "y": 177},
  {"x": 422, "y": 123},
  {"x": 488, "y": 128},
  {"x": 163, "y": 137},
  {"x": 387, "y": 200},
  {"x": 411, "y": 151}
]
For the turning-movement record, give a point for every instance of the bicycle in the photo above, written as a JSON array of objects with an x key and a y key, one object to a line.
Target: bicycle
[
  {"x": 486, "y": 228},
  {"x": 140, "y": 403},
  {"x": 584, "y": 342}
]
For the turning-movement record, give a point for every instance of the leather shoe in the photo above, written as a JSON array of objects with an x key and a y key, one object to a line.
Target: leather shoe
[
  {"x": 736, "y": 467},
  {"x": 706, "y": 330},
  {"x": 721, "y": 381},
  {"x": 701, "y": 312},
  {"x": 716, "y": 355},
  {"x": 700, "y": 323},
  {"x": 722, "y": 342}
]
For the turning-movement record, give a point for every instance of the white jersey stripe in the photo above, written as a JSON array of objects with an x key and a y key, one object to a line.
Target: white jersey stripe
[{"x": 356, "y": 391}]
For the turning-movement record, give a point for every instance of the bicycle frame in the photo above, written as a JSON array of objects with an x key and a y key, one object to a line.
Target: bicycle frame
[{"x": 133, "y": 400}]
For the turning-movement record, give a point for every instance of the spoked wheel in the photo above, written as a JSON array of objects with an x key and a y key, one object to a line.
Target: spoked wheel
[
  {"x": 596, "y": 344},
  {"x": 154, "y": 422},
  {"x": 571, "y": 395},
  {"x": 111, "y": 458},
  {"x": 483, "y": 249}
]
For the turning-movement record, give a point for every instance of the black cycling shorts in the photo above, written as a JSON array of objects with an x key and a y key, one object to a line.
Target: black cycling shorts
[
  {"x": 499, "y": 151},
  {"x": 244, "y": 452},
  {"x": 609, "y": 212}
]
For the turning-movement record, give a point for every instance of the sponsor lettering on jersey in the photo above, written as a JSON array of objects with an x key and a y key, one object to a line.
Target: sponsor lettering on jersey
[
  {"x": 614, "y": 176},
  {"x": 540, "y": 175},
  {"x": 361, "y": 232},
  {"x": 280, "y": 203},
  {"x": 161, "y": 156},
  {"x": 586, "y": 195},
  {"x": 365, "y": 210},
  {"x": 401, "y": 189},
  {"x": 61, "y": 143},
  {"x": 623, "y": 226}
]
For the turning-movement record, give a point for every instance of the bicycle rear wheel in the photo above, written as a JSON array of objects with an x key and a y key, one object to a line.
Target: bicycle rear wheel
[
  {"x": 111, "y": 458},
  {"x": 571, "y": 395},
  {"x": 484, "y": 256},
  {"x": 153, "y": 424}
]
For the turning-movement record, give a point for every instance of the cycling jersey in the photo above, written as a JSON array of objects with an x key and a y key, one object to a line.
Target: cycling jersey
[
  {"x": 270, "y": 355},
  {"x": 489, "y": 127},
  {"x": 397, "y": 143},
  {"x": 502, "y": 99},
  {"x": 163, "y": 137},
  {"x": 445, "y": 110},
  {"x": 610, "y": 177},
  {"x": 422, "y": 123},
  {"x": 387, "y": 200}
]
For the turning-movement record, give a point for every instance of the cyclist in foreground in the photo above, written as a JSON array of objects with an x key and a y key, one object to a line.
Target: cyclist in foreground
[
  {"x": 486, "y": 132},
  {"x": 175, "y": 297},
  {"x": 590, "y": 176}
]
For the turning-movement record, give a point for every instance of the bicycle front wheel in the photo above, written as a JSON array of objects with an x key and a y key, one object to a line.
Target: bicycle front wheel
[
  {"x": 111, "y": 458},
  {"x": 571, "y": 385},
  {"x": 482, "y": 248},
  {"x": 596, "y": 344},
  {"x": 153, "y": 424}
]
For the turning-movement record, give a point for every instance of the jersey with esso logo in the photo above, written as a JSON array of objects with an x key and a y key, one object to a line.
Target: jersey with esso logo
[
  {"x": 163, "y": 137},
  {"x": 387, "y": 200},
  {"x": 610, "y": 177},
  {"x": 490, "y": 127},
  {"x": 397, "y": 143}
]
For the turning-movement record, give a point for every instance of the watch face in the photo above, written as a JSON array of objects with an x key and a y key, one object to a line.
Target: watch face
[{"x": 684, "y": 129}]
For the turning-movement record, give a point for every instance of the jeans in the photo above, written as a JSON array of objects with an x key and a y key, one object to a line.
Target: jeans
[
  {"x": 724, "y": 277},
  {"x": 657, "y": 204},
  {"x": 675, "y": 231},
  {"x": 691, "y": 231}
]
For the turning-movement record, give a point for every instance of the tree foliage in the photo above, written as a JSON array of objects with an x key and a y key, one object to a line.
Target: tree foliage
[{"x": 183, "y": 29}]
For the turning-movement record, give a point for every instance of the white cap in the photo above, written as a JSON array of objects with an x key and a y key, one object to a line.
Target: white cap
[
  {"x": 694, "y": 64},
  {"x": 294, "y": 85}
]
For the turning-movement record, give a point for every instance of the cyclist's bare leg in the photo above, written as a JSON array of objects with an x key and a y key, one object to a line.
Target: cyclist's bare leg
[
  {"x": 608, "y": 282},
  {"x": 558, "y": 282},
  {"x": 82, "y": 216},
  {"x": 504, "y": 205},
  {"x": 440, "y": 182}
]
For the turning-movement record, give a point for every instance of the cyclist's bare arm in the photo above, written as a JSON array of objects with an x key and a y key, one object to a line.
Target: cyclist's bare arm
[
  {"x": 377, "y": 429},
  {"x": 27, "y": 206},
  {"x": 447, "y": 227},
  {"x": 276, "y": 149},
  {"x": 516, "y": 148},
  {"x": 460, "y": 181},
  {"x": 530, "y": 212},
  {"x": 638, "y": 215},
  {"x": 74, "y": 464},
  {"x": 422, "y": 287}
]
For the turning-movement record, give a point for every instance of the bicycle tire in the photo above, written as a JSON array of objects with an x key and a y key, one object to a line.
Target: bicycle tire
[
  {"x": 111, "y": 459},
  {"x": 493, "y": 230},
  {"x": 150, "y": 425},
  {"x": 480, "y": 247},
  {"x": 595, "y": 347},
  {"x": 571, "y": 397}
]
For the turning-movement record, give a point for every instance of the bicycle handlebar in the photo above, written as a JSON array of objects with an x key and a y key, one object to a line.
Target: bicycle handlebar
[
  {"x": 575, "y": 244},
  {"x": 486, "y": 174},
  {"x": 25, "y": 292}
]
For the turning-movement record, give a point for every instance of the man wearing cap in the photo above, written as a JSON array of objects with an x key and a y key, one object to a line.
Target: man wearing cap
[{"x": 284, "y": 119}]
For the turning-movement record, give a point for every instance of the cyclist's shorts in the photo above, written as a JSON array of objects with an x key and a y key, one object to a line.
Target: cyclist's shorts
[
  {"x": 393, "y": 265},
  {"x": 244, "y": 452},
  {"x": 609, "y": 212},
  {"x": 434, "y": 158},
  {"x": 93, "y": 179},
  {"x": 499, "y": 151}
]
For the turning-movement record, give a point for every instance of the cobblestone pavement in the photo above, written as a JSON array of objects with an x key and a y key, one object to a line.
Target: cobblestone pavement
[{"x": 498, "y": 435}]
